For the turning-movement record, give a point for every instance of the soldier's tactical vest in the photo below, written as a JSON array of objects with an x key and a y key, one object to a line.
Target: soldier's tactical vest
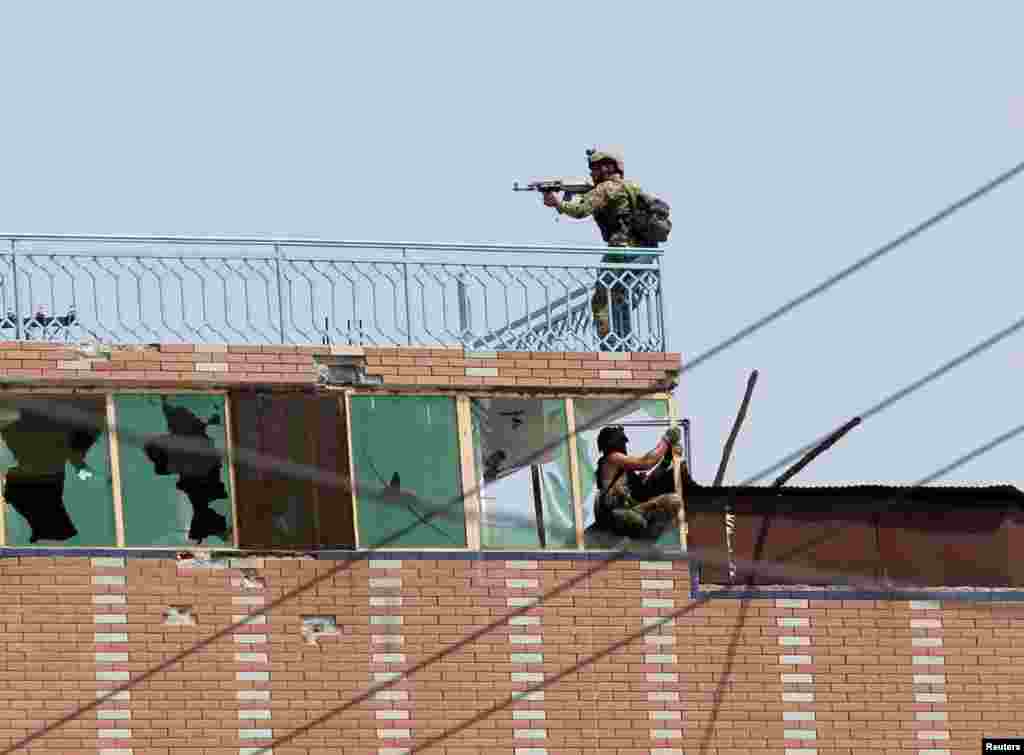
[
  {"x": 613, "y": 223},
  {"x": 611, "y": 498}
]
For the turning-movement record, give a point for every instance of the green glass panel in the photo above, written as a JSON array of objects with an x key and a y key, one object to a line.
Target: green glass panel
[
  {"x": 55, "y": 458},
  {"x": 405, "y": 454},
  {"x": 175, "y": 482},
  {"x": 602, "y": 412},
  {"x": 522, "y": 455}
]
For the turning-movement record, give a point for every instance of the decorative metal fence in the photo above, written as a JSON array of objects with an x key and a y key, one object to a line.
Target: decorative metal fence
[{"x": 128, "y": 289}]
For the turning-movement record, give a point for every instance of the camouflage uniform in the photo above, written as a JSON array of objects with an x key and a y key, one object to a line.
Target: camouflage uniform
[
  {"x": 620, "y": 509},
  {"x": 609, "y": 204}
]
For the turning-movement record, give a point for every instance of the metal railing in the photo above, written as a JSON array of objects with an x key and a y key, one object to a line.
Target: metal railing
[{"x": 136, "y": 289}]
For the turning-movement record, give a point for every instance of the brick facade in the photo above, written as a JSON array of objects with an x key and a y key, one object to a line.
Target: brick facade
[
  {"x": 458, "y": 644},
  {"x": 207, "y": 365},
  {"x": 150, "y": 651}
]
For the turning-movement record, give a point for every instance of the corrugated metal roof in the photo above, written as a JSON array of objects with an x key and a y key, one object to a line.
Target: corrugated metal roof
[{"x": 867, "y": 492}]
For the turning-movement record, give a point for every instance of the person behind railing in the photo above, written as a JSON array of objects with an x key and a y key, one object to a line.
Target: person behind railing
[
  {"x": 611, "y": 203},
  {"x": 49, "y": 328},
  {"x": 628, "y": 503}
]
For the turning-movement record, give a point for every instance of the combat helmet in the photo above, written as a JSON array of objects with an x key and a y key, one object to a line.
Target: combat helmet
[
  {"x": 612, "y": 438},
  {"x": 600, "y": 155}
]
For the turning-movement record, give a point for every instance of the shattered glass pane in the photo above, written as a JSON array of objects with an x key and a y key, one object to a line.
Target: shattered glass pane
[
  {"x": 54, "y": 456},
  {"x": 405, "y": 455},
  {"x": 174, "y": 472},
  {"x": 522, "y": 462},
  {"x": 602, "y": 412}
]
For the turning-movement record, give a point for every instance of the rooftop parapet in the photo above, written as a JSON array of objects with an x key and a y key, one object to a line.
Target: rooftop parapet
[{"x": 177, "y": 289}]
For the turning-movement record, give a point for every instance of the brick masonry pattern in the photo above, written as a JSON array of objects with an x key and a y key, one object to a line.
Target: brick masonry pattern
[
  {"x": 211, "y": 365},
  {"x": 865, "y": 698}
]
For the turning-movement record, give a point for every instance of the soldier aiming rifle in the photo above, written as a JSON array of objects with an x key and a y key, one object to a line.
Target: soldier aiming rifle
[{"x": 626, "y": 217}]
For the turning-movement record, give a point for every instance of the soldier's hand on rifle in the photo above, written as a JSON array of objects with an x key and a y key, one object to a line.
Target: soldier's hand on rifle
[{"x": 550, "y": 199}]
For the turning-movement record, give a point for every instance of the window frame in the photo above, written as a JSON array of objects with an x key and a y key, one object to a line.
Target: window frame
[
  {"x": 467, "y": 465},
  {"x": 113, "y": 450}
]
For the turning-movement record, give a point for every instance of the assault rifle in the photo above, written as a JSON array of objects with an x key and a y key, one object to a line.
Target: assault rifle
[{"x": 569, "y": 187}]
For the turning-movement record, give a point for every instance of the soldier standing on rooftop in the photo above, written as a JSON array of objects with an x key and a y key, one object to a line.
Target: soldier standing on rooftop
[{"x": 611, "y": 206}]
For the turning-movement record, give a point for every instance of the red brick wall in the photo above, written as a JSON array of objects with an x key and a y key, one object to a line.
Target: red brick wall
[
  {"x": 209, "y": 365},
  {"x": 862, "y": 656}
]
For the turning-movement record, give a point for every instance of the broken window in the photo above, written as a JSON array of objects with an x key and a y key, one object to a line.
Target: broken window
[
  {"x": 174, "y": 471},
  {"x": 522, "y": 464},
  {"x": 54, "y": 459},
  {"x": 291, "y": 471},
  {"x": 405, "y": 456},
  {"x": 645, "y": 421}
]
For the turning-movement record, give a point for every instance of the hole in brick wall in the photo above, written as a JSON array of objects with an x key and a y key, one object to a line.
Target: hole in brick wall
[
  {"x": 344, "y": 370},
  {"x": 179, "y": 616},
  {"x": 250, "y": 580},
  {"x": 202, "y": 560},
  {"x": 316, "y": 627}
]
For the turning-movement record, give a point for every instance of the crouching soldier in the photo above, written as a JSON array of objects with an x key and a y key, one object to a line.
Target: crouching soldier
[{"x": 628, "y": 503}]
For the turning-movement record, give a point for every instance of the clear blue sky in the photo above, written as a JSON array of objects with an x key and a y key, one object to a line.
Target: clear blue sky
[{"x": 790, "y": 138}]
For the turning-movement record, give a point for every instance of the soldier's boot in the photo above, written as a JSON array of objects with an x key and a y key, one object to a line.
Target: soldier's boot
[{"x": 630, "y": 522}]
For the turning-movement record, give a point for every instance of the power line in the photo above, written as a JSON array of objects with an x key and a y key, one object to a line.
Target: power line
[
  {"x": 748, "y": 566},
  {"x": 698, "y": 556},
  {"x": 611, "y": 559},
  {"x": 741, "y": 335},
  {"x": 741, "y": 620},
  {"x": 857, "y": 266},
  {"x": 304, "y": 472},
  {"x": 901, "y": 394},
  {"x": 972, "y": 455}
]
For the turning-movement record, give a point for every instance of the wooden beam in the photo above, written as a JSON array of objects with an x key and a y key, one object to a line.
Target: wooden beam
[
  {"x": 574, "y": 471},
  {"x": 815, "y": 452},
  {"x": 345, "y": 404},
  {"x": 229, "y": 451},
  {"x": 115, "y": 470},
  {"x": 729, "y": 514},
  {"x": 470, "y": 479},
  {"x": 740, "y": 416},
  {"x": 684, "y": 528}
]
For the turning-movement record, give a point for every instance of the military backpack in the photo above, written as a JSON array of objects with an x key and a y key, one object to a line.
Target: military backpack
[{"x": 650, "y": 222}]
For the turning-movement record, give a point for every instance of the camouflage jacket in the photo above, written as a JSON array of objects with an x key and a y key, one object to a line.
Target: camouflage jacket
[{"x": 609, "y": 204}]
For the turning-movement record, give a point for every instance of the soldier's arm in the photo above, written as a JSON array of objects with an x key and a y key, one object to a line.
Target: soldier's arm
[
  {"x": 639, "y": 463},
  {"x": 586, "y": 205}
]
